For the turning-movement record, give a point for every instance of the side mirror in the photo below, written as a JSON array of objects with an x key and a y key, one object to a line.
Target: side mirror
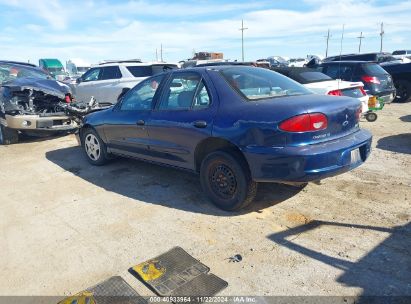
[{"x": 78, "y": 80}]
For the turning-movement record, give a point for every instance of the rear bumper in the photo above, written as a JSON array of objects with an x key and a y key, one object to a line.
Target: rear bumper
[
  {"x": 307, "y": 163},
  {"x": 386, "y": 97},
  {"x": 41, "y": 124}
]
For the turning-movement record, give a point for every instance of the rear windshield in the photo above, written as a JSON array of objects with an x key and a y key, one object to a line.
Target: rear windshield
[
  {"x": 309, "y": 77},
  {"x": 386, "y": 58},
  {"x": 150, "y": 70},
  {"x": 258, "y": 83},
  {"x": 399, "y": 52},
  {"x": 373, "y": 69}
]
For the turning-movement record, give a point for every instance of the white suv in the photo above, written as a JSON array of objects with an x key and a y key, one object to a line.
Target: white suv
[
  {"x": 404, "y": 55},
  {"x": 106, "y": 81}
]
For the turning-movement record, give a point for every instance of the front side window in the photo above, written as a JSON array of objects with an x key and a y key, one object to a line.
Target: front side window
[
  {"x": 185, "y": 91},
  {"x": 111, "y": 72},
  {"x": 257, "y": 83},
  {"x": 92, "y": 75},
  {"x": 141, "y": 96}
]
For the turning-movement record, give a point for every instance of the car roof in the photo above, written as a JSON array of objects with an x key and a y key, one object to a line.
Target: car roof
[
  {"x": 133, "y": 63},
  {"x": 352, "y": 62},
  {"x": 19, "y": 63}
]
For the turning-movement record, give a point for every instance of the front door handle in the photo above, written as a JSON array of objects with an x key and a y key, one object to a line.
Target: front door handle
[
  {"x": 200, "y": 124},
  {"x": 140, "y": 122}
]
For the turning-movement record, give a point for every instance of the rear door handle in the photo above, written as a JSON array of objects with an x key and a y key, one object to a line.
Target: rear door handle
[
  {"x": 140, "y": 122},
  {"x": 200, "y": 124}
]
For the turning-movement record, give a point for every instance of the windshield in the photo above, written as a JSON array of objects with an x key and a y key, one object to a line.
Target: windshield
[
  {"x": 258, "y": 83},
  {"x": 10, "y": 72},
  {"x": 309, "y": 77}
]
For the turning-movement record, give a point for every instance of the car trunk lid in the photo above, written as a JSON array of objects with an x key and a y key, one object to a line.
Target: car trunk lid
[{"x": 342, "y": 117}]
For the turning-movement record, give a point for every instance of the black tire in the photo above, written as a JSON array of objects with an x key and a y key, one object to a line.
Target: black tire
[
  {"x": 226, "y": 180},
  {"x": 8, "y": 136},
  {"x": 371, "y": 117},
  {"x": 94, "y": 148},
  {"x": 403, "y": 88}
]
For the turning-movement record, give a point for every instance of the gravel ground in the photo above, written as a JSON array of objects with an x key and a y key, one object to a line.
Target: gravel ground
[{"x": 66, "y": 225}]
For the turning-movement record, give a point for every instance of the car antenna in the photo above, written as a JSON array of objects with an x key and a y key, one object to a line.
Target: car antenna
[{"x": 341, "y": 46}]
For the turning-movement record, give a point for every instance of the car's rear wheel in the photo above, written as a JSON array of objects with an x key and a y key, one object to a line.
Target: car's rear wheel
[
  {"x": 94, "y": 148},
  {"x": 403, "y": 88},
  {"x": 225, "y": 178},
  {"x": 8, "y": 136}
]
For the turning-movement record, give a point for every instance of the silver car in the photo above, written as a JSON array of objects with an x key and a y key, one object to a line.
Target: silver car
[{"x": 106, "y": 81}]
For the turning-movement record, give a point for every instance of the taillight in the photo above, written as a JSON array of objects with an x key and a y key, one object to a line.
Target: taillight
[
  {"x": 363, "y": 91},
  {"x": 370, "y": 79},
  {"x": 335, "y": 93},
  {"x": 305, "y": 123},
  {"x": 358, "y": 114},
  {"x": 68, "y": 98}
]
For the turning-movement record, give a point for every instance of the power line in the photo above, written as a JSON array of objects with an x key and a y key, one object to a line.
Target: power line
[
  {"x": 242, "y": 29},
  {"x": 361, "y": 37}
]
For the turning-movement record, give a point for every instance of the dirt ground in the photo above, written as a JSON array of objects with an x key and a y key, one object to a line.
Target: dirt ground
[{"x": 66, "y": 225}]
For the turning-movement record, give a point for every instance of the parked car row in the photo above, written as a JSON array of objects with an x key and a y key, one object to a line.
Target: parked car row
[{"x": 233, "y": 123}]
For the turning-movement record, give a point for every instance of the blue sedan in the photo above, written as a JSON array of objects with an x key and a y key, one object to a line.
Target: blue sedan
[{"x": 235, "y": 126}]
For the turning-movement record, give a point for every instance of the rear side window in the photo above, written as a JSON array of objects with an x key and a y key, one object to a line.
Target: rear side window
[
  {"x": 112, "y": 72},
  {"x": 373, "y": 69},
  {"x": 181, "y": 92},
  {"x": 140, "y": 71}
]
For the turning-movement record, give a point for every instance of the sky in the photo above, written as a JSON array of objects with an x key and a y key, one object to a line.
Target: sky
[{"x": 101, "y": 30}]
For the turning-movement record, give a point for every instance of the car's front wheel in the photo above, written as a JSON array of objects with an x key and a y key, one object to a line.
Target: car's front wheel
[
  {"x": 225, "y": 178},
  {"x": 94, "y": 148},
  {"x": 8, "y": 136}
]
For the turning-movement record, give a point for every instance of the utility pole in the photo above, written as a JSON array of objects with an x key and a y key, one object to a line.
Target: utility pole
[
  {"x": 361, "y": 37},
  {"x": 242, "y": 29},
  {"x": 161, "y": 52},
  {"x": 382, "y": 34},
  {"x": 328, "y": 38}
]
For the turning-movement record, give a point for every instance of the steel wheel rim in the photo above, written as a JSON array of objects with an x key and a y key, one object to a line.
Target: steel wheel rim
[
  {"x": 223, "y": 181},
  {"x": 92, "y": 147}
]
